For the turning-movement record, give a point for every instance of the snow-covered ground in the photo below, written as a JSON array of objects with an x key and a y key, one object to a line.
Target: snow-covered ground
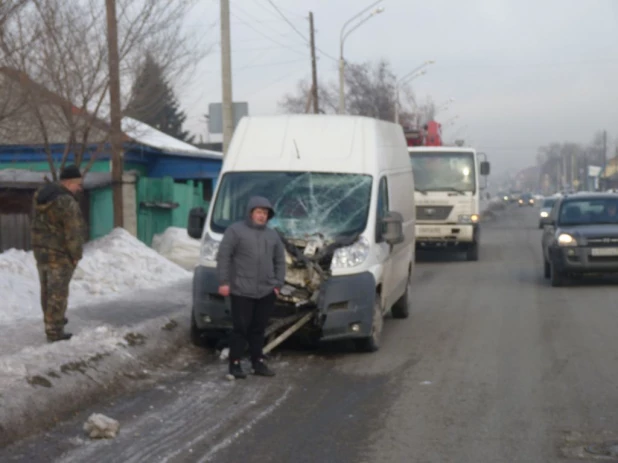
[
  {"x": 115, "y": 265},
  {"x": 176, "y": 245}
]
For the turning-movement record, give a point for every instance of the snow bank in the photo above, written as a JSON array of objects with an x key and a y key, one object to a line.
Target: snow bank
[
  {"x": 115, "y": 264},
  {"x": 176, "y": 245}
]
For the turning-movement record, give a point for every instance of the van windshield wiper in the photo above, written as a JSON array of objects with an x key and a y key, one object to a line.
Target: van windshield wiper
[
  {"x": 457, "y": 190},
  {"x": 421, "y": 191}
]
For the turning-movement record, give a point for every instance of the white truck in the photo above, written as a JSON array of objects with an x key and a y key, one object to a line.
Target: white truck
[{"x": 447, "y": 196}]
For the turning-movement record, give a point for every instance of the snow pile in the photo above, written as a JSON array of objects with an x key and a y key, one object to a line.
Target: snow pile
[
  {"x": 112, "y": 265},
  {"x": 176, "y": 245}
]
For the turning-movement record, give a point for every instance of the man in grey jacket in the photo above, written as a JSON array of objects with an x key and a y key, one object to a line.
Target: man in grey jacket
[{"x": 251, "y": 270}]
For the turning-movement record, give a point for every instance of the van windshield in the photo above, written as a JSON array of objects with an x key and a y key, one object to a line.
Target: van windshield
[
  {"x": 305, "y": 203},
  {"x": 453, "y": 170}
]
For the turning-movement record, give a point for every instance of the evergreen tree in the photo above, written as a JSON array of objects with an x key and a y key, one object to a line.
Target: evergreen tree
[{"x": 154, "y": 103}]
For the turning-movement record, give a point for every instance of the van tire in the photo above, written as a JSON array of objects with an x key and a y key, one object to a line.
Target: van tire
[
  {"x": 401, "y": 308},
  {"x": 372, "y": 342},
  {"x": 199, "y": 337},
  {"x": 472, "y": 253}
]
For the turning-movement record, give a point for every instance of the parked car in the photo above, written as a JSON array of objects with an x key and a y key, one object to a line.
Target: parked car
[
  {"x": 526, "y": 200},
  {"x": 580, "y": 236}
]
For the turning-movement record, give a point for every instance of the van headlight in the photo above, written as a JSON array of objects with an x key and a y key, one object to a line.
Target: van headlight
[
  {"x": 209, "y": 249},
  {"x": 351, "y": 256},
  {"x": 474, "y": 218},
  {"x": 564, "y": 239}
]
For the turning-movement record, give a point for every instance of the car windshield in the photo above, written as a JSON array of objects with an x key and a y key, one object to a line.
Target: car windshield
[
  {"x": 588, "y": 211},
  {"x": 548, "y": 203},
  {"x": 452, "y": 171},
  {"x": 305, "y": 203}
]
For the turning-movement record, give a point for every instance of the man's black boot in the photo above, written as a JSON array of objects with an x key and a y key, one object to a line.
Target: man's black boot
[
  {"x": 59, "y": 337},
  {"x": 236, "y": 370},
  {"x": 261, "y": 369}
]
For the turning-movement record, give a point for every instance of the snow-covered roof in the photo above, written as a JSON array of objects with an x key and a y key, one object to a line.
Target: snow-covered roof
[{"x": 146, "y": 135}]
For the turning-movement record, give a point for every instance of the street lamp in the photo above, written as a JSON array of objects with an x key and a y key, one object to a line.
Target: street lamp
[
  {"x": 342, "y": 38},
  {"x": 413, "y": 74}
]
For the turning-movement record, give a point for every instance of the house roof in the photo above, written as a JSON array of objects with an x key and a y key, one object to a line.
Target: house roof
[
  {"x": 27, "y": 179},
  {"x": 22, "y": 127},
  {"x": 147, "y": 135}
]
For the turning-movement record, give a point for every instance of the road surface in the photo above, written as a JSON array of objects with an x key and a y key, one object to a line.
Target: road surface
[{"x": 493, "y": 365}]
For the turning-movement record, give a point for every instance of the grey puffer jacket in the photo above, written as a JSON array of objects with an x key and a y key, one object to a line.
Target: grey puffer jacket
[{"x": 251, "y": 258}]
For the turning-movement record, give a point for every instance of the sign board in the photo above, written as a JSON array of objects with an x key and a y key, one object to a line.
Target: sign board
[{"x": 215, "y": 115}]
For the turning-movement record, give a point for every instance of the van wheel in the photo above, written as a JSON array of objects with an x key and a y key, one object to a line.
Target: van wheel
[
  {"x": 199, "y": 337},
  {"x": 401, "y": 308},
  {"x": 472, "y": 254},
  {"x": 372, "y": 342}
]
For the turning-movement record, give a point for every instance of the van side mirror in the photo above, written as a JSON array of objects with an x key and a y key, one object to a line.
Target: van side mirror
[
  {"x": 485, "y": 168},
  {"x": 393, "y": 228},
  {"x": 197, "y": 220}
]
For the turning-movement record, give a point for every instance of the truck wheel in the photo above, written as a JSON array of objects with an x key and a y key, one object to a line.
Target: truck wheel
[
  {"x": 472, "y": 254},
  {"x": 372, "y": 343},
  {"x": 546, "y": 269},
  {"x": 557, "y": 279},
  {"x": 401, "y": 308}
]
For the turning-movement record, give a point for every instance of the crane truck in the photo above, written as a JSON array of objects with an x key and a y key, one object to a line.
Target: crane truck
[{"x": 447, "y": 192}]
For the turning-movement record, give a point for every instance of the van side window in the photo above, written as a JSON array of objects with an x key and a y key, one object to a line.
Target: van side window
[{"x": 382, "y": 209}]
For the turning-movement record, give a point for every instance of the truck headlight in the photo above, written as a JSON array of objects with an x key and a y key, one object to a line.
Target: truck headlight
[
  {"x": 474, "y": 218},
  {"x": 351, "y": 256},
  {"x": 209, "y": 249},
  {"x": 564, "y": 239}
]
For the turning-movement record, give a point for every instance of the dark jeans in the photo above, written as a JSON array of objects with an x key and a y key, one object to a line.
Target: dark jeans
[{"x": 250, "y": 318}]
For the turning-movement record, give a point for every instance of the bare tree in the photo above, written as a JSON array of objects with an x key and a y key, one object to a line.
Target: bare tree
[
  {"x": 55, "y": 55},
  {"x": 370, "y": 91}
]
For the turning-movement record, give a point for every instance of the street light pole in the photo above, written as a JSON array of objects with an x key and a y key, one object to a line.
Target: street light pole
[
  {"x": 398, "y": 86},
  {"x": 342, "y": 36}
]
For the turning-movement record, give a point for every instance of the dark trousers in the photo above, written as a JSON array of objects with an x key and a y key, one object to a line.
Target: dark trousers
[{"x": 250, "y": 318}]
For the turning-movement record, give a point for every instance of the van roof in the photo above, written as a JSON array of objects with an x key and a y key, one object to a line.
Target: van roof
[{"x": 316, "y": 143}]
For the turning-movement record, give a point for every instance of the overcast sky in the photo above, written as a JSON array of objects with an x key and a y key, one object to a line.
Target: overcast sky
[{"x": 523, "y": 73}]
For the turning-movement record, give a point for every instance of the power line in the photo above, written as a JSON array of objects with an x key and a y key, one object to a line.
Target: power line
[
  {"x": 299, "y": 32},
  {"x": 253, "y": 20},
  {"x": 267, "y": 37}
]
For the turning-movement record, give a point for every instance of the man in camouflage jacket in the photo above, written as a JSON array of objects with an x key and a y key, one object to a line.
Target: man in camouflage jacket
[{"x": 57, "y": 242}]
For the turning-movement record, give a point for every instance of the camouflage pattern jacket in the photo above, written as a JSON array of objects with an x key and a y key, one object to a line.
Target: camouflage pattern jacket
[{"x": 57, "y": 226}]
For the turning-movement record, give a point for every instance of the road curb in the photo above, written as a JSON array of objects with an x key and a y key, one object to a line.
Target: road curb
[{"x": 43, "y": 396}]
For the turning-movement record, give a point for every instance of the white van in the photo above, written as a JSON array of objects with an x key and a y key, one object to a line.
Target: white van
[{"x": 343, "y": 192}]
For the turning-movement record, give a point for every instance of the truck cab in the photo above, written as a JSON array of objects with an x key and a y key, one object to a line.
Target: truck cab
[{"x": 447, "y": 194}]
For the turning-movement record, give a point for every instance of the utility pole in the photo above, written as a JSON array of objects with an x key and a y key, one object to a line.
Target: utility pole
[
  {"x": 115, "y": 111},
  {"x": 227, "y": 107},
  {"x": 604, "y": 148},
  {"x": 314, "y": 67}
]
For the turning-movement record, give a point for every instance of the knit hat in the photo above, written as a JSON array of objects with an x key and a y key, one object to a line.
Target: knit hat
[{"x": 70, "y": 172}]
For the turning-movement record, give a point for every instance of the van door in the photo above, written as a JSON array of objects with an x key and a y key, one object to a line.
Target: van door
[
  {"x": 401, "y": 189},
  {"x": 384, "y": 249}
]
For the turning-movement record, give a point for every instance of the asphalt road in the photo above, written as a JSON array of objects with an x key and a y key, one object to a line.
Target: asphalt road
[{"x": 493, "y": 365}]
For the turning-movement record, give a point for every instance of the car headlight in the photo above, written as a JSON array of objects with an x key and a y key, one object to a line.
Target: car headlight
[
  {"x": 351, "y": 256},
  {"x": 506, "y": 198},
  {"x": 532, "y": 201},
  {"x": 209, "y": 249},
  {"x": 474, "y": 218},
  {"x": 521, "y": 201},
  {"x": 564, "y": 239},
  {"x": 544, "y": 214}
]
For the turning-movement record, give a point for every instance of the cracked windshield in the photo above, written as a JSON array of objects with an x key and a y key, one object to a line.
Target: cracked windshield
[
  {"x": 435, "y": 172},
  {"x": 305, "y": 203}
]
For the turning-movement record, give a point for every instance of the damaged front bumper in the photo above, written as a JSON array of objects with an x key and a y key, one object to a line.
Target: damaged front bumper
[{"x": 343, "y": 305}]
